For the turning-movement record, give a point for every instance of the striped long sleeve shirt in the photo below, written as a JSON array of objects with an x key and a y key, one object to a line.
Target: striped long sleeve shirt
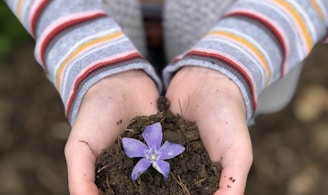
[
  {"x": 255, "y": 44},
  {"x": 77, "y": 44}
]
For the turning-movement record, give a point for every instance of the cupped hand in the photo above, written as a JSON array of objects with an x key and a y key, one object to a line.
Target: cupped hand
[
  {"x": 104, "y": 113},
  {"x": 215, "y": 103}
]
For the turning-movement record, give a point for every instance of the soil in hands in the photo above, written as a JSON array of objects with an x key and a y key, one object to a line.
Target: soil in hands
[{"x": 192, "y": 172}]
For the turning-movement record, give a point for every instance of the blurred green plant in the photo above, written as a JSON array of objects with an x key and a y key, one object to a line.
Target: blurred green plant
[{"x": 12, "y": 33}]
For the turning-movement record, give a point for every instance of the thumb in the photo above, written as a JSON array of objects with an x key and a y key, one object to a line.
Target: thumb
[
  {"x": 233, "y": 179},
  {"x": 81, "y": 176}
]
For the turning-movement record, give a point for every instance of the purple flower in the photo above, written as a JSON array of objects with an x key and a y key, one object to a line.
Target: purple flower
[{"x": 153, "y": 153}]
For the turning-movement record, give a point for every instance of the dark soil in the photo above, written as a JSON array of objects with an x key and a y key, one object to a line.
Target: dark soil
[{"x": 192, "y": 172}]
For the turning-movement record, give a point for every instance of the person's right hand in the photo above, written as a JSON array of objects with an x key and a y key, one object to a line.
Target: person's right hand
[
  {"x": 104, "y": 113},
  {"x": 216, "y": 104}
]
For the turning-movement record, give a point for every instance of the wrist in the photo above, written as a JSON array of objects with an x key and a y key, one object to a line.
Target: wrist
[
  {"x": 199, "y": 80},
  {"x": 124, "y": 82},
  {"x": 126, "y": 89}
]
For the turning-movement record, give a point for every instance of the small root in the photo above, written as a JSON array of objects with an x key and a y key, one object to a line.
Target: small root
[
  {"x": 181, "y": 184},
  {"x": 107, "y": 181},
  {"x": 127, "y": 125},
  {"x": 200, "y": 181},
  {"x": 102, "y": 168},
  {"x": 161, "y": 121},
  {"x": 130, "y": 130}
]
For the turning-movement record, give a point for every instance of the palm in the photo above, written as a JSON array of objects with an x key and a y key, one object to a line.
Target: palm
[
  {"x": 208, "y": 98},
  {"x": 104, "y": 113}
]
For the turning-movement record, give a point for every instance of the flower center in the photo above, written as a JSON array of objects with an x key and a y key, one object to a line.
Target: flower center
[
  {"x": 152, "y": 157},
  {"x": 152, "y": 154}
]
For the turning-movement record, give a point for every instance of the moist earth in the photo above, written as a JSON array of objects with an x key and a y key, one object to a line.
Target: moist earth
[{"x": 192, "y": 172}]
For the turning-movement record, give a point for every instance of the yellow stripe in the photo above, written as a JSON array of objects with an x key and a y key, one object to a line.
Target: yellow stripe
[
  {"x": 249, "y": 45},
  {"x": 317, "y": 9},
  {"x": 299, "y": 20},
  {"x": 84, "y": 46},
  {"x": 19, "y": 8}
]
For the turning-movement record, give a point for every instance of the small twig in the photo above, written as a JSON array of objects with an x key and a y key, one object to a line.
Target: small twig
[
  {"x": 127, "y": 125},
  {"x": 107, "y": 181},
  {"x": 103, "y": 168},
  {"x": 181, "y": 184},
  {"x": 162, "y": 120},
  {"x": 200, "y": 181},
  {"x": 130, "y": 130}
]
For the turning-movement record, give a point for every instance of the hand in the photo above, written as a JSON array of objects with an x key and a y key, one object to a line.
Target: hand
[
  {"x": 104, "y": 113},
  {"x": 216, "y": 105}
]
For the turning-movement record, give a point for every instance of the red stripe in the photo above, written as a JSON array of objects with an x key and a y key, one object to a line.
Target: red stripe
[
  {"x": 36, "y": 15},
  {"x": 62, "y": 27},
  {"x": 233, "y": 64},
  {"x": 177, "y": 59},
  {"x": 96, "y": 67},
  {"x": 271, "y": 27}
]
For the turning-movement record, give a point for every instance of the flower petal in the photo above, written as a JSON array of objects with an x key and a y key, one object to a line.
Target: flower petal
[
  {"x": 134, "y": 148},
  {"x": 170, "y": 150},
  {"x": 162, "y": 167},
  {"x": 153, "y": 135},
  {"x": 140, "y": 168}
]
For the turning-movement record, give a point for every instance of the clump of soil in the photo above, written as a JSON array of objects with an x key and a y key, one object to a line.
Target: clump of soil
[{"x": 192, "y": 172}]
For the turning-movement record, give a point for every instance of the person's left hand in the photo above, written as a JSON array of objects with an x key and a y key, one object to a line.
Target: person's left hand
[
  {"x": 216, "y": 105},
  {"x": 105, "y": 111}
]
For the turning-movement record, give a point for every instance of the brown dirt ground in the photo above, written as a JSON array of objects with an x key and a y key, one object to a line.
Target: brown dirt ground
[{"x": 290, "y": 146}]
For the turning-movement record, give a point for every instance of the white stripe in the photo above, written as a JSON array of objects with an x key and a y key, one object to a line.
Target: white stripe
[
  {"x": 269, "y": 4},
  {"x": 234, "y": 60},
  {"x": 57, "y": 23},
  {"x": 34, "y": 7},
  {"x": 71, "y": 91},
  {"x": 250, "y": 39},
  {"x": 68, "y": 67},
  {"x": 277, "y": 27},
  {"x": 323, "y": 10},
  {"x": 244, "y": 51},
  {"x": 81, "y": 42},
  {"x": 306, "y": 18}
]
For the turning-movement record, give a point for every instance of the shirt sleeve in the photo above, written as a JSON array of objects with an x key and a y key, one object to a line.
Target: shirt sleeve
[
  {"x": 258, "y": 42},
  {"x": 77, "y": 44}
]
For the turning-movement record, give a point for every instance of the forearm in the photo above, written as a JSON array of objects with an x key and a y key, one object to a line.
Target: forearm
[
  {"x": 258, "y": 42},
  {"x": 77, "y": 44}
]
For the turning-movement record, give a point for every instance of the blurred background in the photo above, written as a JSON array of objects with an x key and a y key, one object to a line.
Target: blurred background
[{"x": 290, "y": 146}]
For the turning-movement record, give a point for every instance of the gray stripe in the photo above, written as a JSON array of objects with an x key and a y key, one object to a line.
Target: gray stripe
[
  {"x": 257, "y": 31},
  {"x": 79, "y": 65},
  {"x": 59, "y": 8},
  {"x": 318, "y": 24},
  {"x": 293, "y": 37},
  {"x": 254, "y": 70},
  {"x": 64, "y": 41},
  {"x": 25, "y": 15}
]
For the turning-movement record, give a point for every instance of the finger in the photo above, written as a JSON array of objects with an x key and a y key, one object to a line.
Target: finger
[
  {"x": 87, "y": 139},
  {"x": 234, "y": 152},
  {"x": 235, "y": 156},
  {"x": 233, "y": 178},
  {"x": 81, "y": 168}
]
